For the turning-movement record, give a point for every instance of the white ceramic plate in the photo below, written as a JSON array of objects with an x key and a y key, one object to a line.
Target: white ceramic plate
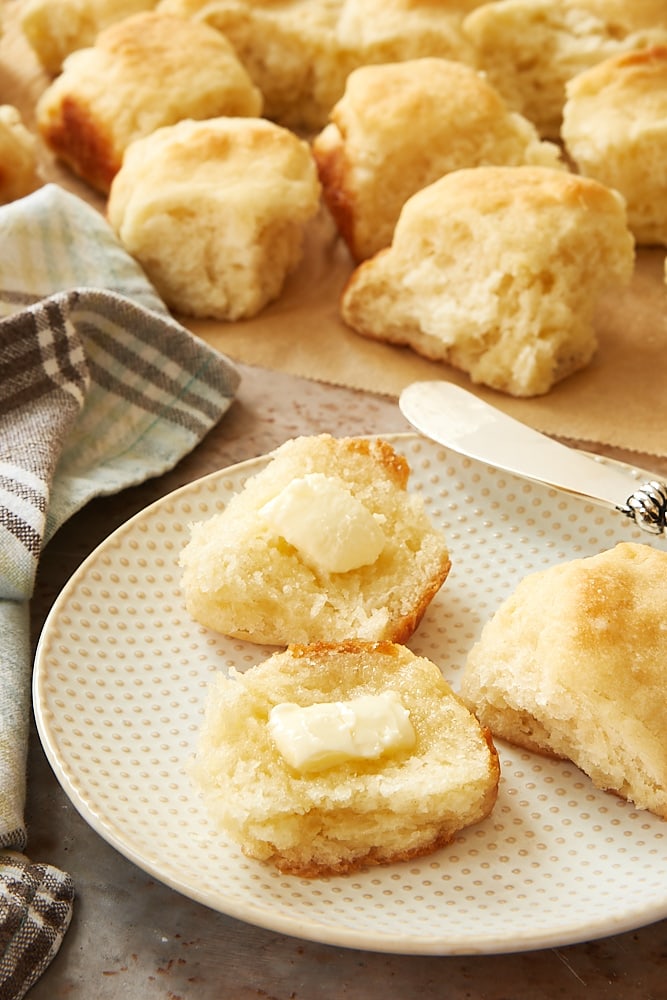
[{"x": 120, "y": 683}]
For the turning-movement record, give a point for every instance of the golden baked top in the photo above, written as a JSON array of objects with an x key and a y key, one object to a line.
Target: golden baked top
[
  {"x": 141, "y": 73},
  {"x": 573, "y": 664},
  {"x": 401, "y": 126}
]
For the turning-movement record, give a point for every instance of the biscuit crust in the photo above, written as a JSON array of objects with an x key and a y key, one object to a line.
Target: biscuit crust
[
  {"x": 573, "y": 665},
  {"x": 497, "y": 271}
]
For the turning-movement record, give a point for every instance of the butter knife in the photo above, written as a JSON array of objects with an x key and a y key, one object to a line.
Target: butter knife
[{"x": 459, "y": 420}]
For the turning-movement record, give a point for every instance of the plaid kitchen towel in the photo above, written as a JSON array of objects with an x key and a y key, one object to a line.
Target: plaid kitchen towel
[{"x": 100, "y": 389}]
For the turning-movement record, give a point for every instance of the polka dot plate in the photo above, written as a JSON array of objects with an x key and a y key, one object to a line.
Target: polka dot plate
[{"x": 120, "y": 684}]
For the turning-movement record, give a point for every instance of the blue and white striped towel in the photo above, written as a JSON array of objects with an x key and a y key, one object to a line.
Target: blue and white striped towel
[{"x": 100, "y": 389}]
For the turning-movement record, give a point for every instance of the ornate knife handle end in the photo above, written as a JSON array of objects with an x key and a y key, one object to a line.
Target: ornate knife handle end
[{"x": 648, "y": 506}]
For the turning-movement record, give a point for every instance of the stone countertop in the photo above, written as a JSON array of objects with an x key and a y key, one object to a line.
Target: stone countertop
[{"x": 133, "y": 937}]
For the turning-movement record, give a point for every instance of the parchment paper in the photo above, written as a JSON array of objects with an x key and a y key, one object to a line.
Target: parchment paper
[{"x": 619, "y": 400}]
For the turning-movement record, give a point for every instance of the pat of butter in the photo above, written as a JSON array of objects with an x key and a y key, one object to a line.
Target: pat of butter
[
  {"x": 329, "y": 526},
  {"x": 318, "y": 736}
]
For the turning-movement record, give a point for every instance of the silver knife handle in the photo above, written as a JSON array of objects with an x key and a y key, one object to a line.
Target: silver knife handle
[{"x": 648, "y": 506}]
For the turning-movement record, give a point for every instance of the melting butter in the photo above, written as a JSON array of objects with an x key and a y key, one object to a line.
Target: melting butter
[
  {"x": 319, "y": 736},
  {"x": 327, "y": 524}
]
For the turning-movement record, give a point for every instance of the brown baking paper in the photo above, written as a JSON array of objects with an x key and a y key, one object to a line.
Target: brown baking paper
[{"x": 619, "y": 400}]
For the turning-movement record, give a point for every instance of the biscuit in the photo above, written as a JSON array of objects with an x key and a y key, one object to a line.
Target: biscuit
[
  {"x": 573, "y": 665},
  {"x": 382, "y": 31},
  {"x": 215, "y": 212},
  {"x": 19, "y": 168},
  {"x": 353, "y": 813},
  {"x": 497, "y": 271},
  {"x": 248, "y": 575},
  {"x": 142, "y": 73},
  {"x": 401, "y": 126},
  {"x": 289, "y": 49},
  {"x": 615, "y": 130},
  {"x": 55, "y": 28},
  {"x": 531, "y": 48},
  {"x": 300, "y": 54}
]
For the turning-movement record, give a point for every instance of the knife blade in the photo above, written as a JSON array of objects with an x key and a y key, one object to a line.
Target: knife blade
[{"x": 459, "y": 420}]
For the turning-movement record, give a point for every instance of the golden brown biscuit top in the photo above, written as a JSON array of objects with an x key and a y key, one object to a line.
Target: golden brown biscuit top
[
  {"x": 641, "y": 73},
  {"x": 493, "y": 189},
  {"x": 382, "y": 99}
]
